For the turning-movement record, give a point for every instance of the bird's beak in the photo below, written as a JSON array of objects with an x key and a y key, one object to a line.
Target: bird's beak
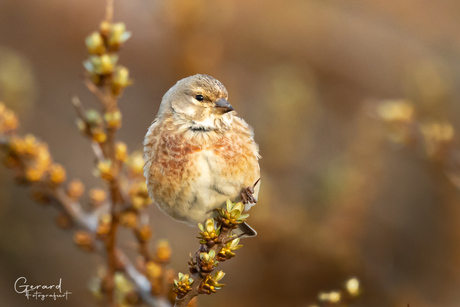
[{"x": 224, "y": 106}]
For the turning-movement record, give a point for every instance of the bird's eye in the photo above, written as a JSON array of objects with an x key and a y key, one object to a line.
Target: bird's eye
[{"x": 199, "y": 97}]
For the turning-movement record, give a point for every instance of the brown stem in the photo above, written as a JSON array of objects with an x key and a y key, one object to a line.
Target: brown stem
[
  {"x": 143, "y": 245},
  {"x": 96, "y": 91},
  {"x": 97, "y": 149},
  {"x": 109, "y": 11},
  {"x": 74, "y": 210},
  {"x": 111, "y": 254}
]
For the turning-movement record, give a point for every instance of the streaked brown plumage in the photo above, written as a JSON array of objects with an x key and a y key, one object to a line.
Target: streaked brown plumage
[{"x": 198, "y": 153}]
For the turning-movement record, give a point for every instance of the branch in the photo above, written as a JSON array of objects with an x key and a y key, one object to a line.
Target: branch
[
  {"x": 142, "y": 283},
  {"x": 85, "y": 220},
  {"x": 109, "y": 11},
  {"x": 217, "y": 245},
  {"x": 199, "y": 277}
]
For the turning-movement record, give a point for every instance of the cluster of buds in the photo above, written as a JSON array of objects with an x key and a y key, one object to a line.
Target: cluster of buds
[
  {"x": 343, "y": 297},
  {"x": 92, "y": 126},
  {"x": 8, "y": 120},
  {"x": 138, "y": 192},
  {"x": 128, "y": 219},
  {"x": 209, "y": 234},
  {"x": 227, "y": 251},
  {"x": 232, "y": 216},
  {"x": 121, "y": 152},
  {"x": 135, "y": 165},
  {"x": 163, "y": 252},
  {"x": 75, "y": 189},
  {"x": 143, "y": 233},
  {"x": 154, "y": 272},
  {"x": 125, "y": 293},
  {"x": 182, "y": 286},
  {"x": 84, "y": 240},
  {"x": 106, "y": 170},
  {"x": 102, "y": 65},
  {"x": 139, "y": 195},
  {"x": 104, "y": 225},
  {"x": 113, "y": 119},
  {"x": 208, "y": 262},
  {"x": 154, "y": 267},
  {"x": 211, "y": 283},
  {"x": 32, "y": 161},
  {"x": 97, "y": 197}
]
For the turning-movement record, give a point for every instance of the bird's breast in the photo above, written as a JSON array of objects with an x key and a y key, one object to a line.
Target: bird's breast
[{"x": 187, "y": 178}]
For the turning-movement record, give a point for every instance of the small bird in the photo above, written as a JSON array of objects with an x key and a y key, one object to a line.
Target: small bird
[{"x": 198, "y": 153}]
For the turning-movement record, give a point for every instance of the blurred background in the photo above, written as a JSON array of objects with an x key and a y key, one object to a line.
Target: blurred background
[{"x": 338, "y": 199}]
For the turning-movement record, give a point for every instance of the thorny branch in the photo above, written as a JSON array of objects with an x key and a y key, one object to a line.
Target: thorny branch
[
  {"x": 33, "y": 165},
  {"x": 89, "y": 222},
  {"x": 217, "y": 244},
  {"x": 199, "y": 277}
]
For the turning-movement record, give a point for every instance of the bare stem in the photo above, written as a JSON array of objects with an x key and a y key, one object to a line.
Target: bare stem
[{"x": 109, "y": 11}]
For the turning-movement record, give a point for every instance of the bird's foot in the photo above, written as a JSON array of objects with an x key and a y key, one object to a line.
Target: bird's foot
[{"x": 247, "y": 195}]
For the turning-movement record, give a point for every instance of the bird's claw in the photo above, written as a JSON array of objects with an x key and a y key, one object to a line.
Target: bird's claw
[{"x": 248, "y": 196}]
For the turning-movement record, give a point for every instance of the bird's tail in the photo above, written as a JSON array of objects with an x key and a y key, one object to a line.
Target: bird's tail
[{"x": 244, "y": 230}]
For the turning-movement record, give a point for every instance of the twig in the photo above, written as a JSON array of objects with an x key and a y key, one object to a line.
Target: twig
[
  {"x": 95, "y": 90},
  {"x": 142, "y": 283},
  {"x": 74, "y": 210},
  {"x": 109, "y": 11},
  {"x": 79, "y": 109},
  {"x": 97, "y": 149}
]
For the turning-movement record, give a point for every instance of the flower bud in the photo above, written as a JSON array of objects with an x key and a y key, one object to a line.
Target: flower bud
[
  {"x": 113, "y": 119},
  {"x": 163, "y": 252},
  {"x": 104, "y": 28},
  {"x": 102, "y": 65},
  {"x": 34, "y": 174},
  {"x": 95, "y": 43},
  {"x": 84, "y": 240},
  {"x": 120, "y": 80},
  {"x": 97, "y": 196},
  {"x": 128, "y": 219},
  {"x": 57, "y": 173},
  {"x": 104, "y": 170},
  {"x": 75, "y": 189},
  {"x": 121, "y": 151},
  {"x": 118, "y": 34}
]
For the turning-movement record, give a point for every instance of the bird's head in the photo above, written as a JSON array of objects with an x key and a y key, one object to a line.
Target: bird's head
[{"x": 198, "y": 103}]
